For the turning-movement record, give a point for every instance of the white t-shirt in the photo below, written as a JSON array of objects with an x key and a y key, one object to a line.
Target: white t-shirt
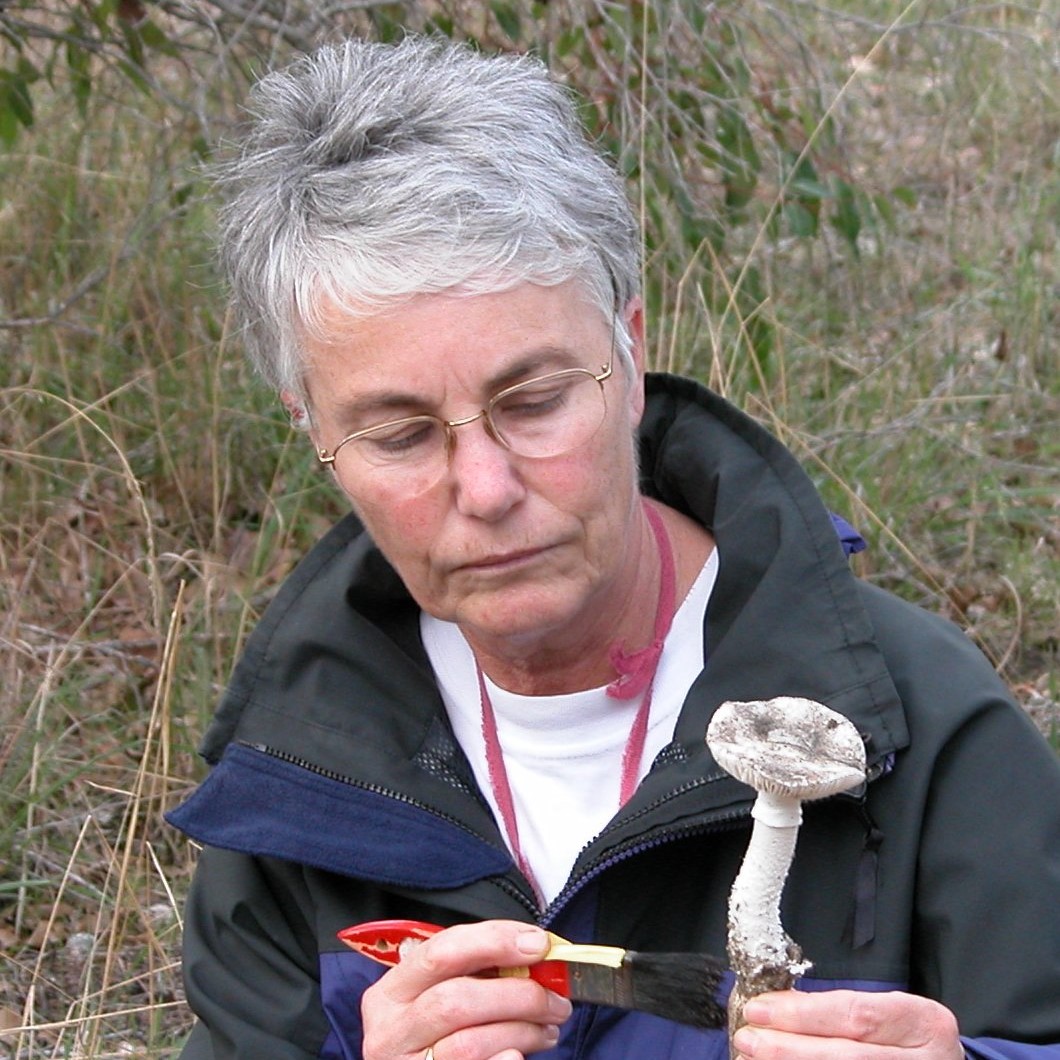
[{"x": 563, "y": 754}]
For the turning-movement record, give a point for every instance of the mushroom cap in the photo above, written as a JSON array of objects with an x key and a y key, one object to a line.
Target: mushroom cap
[{"x": 795, "y": 748}]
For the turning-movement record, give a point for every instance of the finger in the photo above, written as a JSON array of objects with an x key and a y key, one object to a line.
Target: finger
[
  {"x": 757, "y": 1043},
  {"x": 480, "y": 1015},
  {"x": 497, "y": 1041},
  {"x": 468, "y": 1002},
  {"x": 891, "y": 1018},
  {"x": 467, "y": 949}
]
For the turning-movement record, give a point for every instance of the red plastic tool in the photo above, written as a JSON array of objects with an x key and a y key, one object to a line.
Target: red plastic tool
[{"x": 386, "y": 941}]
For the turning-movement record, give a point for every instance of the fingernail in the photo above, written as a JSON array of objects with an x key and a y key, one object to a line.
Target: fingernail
[
  {"x": 559, "y": 1006},
  {"x": 745, "y": 1041},
  {"x": 532, "y": 941},
  {"x": 757, "y": 1012},
  {"x": 551, "y": 1033}
]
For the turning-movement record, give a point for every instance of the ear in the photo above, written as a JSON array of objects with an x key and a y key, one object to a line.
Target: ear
[
  {"x": 296, "y": 409},
  {"x": 633, "y": 315}
]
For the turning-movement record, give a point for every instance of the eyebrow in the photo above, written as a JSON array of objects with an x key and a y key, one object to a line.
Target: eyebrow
[{"x": 536, "y": 362}]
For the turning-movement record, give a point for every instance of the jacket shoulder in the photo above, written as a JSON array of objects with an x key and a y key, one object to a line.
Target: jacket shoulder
[{"x": 939, "y": 671}]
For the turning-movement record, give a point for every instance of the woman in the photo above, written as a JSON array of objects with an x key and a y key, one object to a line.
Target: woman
[{"x": 481, "y": 699}]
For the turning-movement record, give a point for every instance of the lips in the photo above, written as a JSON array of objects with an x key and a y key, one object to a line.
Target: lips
[{"x": 501, "y": 560}]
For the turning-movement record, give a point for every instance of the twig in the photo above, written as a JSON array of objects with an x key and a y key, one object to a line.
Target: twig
[
  {"x": 77, "y": 1021},
  {"x": 952, "y": 21}
]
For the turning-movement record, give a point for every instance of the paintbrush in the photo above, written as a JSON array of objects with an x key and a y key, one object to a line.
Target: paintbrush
[{"x": 677, "y": 986}]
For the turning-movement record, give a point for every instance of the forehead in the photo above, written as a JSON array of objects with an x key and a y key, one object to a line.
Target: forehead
[{"x": 432, "y": 347}]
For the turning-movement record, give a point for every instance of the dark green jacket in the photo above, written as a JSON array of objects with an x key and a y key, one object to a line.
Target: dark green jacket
[{"x": 339, "y": 795}]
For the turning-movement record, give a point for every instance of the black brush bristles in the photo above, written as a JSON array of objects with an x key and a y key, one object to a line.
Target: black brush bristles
[{"x": 677, "y": 986}]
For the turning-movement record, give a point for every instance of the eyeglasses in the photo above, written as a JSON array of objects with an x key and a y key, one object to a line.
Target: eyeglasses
[{"x": 543, "y": 417}]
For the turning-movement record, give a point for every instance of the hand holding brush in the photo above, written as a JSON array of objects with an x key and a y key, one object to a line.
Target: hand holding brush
[{"x": 677, "y": 986}]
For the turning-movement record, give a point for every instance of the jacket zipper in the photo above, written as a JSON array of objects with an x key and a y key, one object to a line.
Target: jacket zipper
[
  {"x": 632, "y": 847},
  {"x": 525, "y": 898},
  {"x": 511, "y": 889}
]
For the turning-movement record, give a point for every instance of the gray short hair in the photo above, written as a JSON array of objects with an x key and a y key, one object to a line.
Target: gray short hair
[{"x": 375, "y": 172}]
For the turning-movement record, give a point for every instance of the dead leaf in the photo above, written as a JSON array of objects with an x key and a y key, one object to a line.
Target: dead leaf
[{"x": 9, "y": 1019}]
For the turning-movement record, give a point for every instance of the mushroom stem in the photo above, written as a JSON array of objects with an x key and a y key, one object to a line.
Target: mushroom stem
[
  {"x": 760, "y": 951},
  {"x": 789, "y": 750}
]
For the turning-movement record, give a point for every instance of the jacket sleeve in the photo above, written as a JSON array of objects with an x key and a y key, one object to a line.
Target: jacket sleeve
[
  {"x": 988, "y": 891},
  {"x": 975, "y": 799},
  {"x": 250, "y": 964}
]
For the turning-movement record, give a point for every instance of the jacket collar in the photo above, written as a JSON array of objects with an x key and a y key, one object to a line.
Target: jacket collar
[{"x": 786, "y": 616}]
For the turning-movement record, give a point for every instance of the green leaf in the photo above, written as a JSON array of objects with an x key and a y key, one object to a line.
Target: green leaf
[
  {"x": 26, "y": 71},
  {"x": 17, "y": 101},
  {"x": 805, "y": 184},
  {"x": 702, "y": 231},
  {"x": 441, "y": 24},
  {"x": 697, "y": 17},
  {"x": 882, "y": 205},
  {"x": 9, "y": 124},
  {"x": 78, "y": 60},
  {"x": 817, "y": 125},
  {"x": 808, "y": 190},
  {"x": 712, "y": 75},
  {"x": 182, "y": 193},
  {"x": 905, "y": 195},
  {"x": 100, "y": 13},
  {"x": 740, "y": 73},
  {"x": 758, "y": 327},
  {"x": 155, "y": 38},
  {"x": 735, "y": 137},
  {"x": 82, "y": 89},
  {"x": 739, "y": 188},
  {"x": 77, "y": 57},
  {"x": 134, "y": 46},
  {"x": 847, "y": 217},
  {"x": 566, "y": 42},
  {"x": 802, "y": 222},
  {"x": 26, "y": 883},
  {"x": 507, "y": 16},
  {"x": 134, "y": 72},
  {"x": 388, "y": 26}
]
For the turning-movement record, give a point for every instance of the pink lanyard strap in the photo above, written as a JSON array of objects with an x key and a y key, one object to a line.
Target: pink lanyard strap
[
  {"x": 636, "y": 674},
  {"x": 502, "y": 789}
]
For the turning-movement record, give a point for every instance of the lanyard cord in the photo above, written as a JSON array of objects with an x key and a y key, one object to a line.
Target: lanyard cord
[{"x": 636, "y": 675}]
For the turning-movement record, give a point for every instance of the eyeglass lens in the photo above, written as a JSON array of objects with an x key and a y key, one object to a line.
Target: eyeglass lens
[{"x": 540, "y": 418}]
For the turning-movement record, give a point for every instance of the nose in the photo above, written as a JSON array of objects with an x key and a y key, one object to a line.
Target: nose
[{"x": 482, "y": 473}]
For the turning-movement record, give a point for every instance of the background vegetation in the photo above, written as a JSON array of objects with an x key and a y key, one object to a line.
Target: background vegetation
[{"x": 850, "y": 213}]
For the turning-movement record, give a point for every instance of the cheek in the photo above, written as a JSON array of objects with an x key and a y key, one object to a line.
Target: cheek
[
  {"x": 402, "y": 527},
  {"x": 599, "y": 490}
]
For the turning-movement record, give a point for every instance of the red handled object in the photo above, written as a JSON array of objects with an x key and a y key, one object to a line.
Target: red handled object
[
  {"x": 382, "y": 940},
  {"x": 677, "y": 986}
]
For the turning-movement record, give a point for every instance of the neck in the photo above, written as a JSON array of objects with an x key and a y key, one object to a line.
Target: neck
[
  {"x": 576, "y": 656},
  {"x": 547, "y": 671}
]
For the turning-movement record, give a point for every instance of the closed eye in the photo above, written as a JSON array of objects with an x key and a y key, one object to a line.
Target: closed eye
[
  {"x": 535, "y": 400},
  {"x": 400, "y": 437}
]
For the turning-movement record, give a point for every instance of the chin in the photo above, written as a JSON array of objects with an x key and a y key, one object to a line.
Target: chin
[{"x": 522, "y": 618}]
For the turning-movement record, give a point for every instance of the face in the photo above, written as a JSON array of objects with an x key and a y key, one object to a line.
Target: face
[{"x": 512, "y": 549}]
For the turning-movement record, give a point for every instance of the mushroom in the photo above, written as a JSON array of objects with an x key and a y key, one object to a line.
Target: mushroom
[{"x": 789, "y": 750}]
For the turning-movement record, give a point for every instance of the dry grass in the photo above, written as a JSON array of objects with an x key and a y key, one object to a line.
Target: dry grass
[{"x": 152, "y": 496}]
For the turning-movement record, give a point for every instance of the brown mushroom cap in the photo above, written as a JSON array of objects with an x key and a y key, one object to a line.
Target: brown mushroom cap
[{"x": 791, "y": 747}]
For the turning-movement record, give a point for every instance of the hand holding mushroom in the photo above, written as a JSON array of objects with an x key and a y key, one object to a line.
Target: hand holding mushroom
[
  {"x": 789, "y": 750},
  {"x": 792, "y": 750},
  {"x": 838, "y": 1024}
]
